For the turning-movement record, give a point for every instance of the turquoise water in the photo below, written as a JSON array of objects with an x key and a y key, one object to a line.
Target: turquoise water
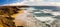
[
  {"x": 43, "y": 14},
  {"x": 53, "y": 8}
]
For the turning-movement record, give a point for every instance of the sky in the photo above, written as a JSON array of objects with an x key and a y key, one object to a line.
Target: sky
[
  {"x": 2, "y": 2},
  {"x": 52, "y": 0},
  {"x": 30, "y": 2}
]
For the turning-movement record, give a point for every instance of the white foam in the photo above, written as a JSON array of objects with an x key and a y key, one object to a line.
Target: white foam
[
  {"x": 37, "y": 12},
  {"x": 55, "y": 13},
  {"x": 46, "y": 11},
  {"x": 47, "y": 20}
]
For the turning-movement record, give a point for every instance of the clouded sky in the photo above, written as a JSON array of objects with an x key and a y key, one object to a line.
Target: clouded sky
[
  {"x": 30, "y": 2},
  {"x": 2, "y": 2}
]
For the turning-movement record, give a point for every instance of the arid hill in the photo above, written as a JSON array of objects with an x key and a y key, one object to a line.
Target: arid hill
[{"x": 5, "y": 15}]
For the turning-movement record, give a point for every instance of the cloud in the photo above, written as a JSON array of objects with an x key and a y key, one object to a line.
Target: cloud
[
  {"x": 35, "y": 3},
  {"x": 52, "y": 0},
  {"x": 15, "y": 4}
]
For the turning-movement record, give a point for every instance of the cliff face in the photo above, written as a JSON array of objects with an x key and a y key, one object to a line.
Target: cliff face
[
  {"x": 5, "y": 22},
  {"x": 5, "y": 16}
]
